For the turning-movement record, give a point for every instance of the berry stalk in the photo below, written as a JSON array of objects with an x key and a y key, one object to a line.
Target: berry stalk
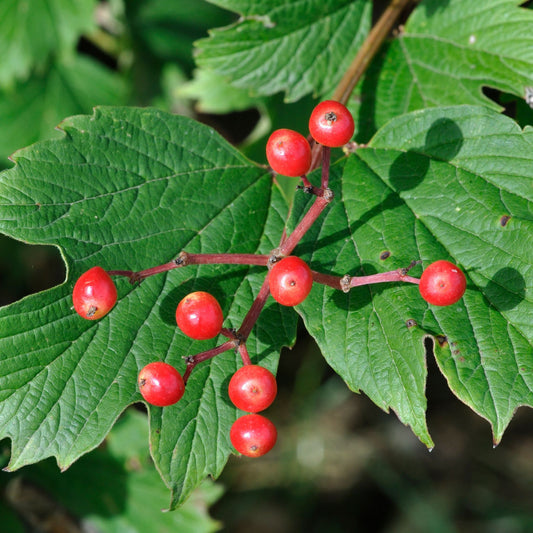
[
  {"x": 186, "y": 259},
  {"x": 320, "y": 203},
  {"x": 345, "y": 283},
  {"x": 193, "y": 360},
  {"x": 255, "y": 310}
]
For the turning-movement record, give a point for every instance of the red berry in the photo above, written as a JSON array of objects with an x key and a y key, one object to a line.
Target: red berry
[
  {"x": 288, "y": 153},
  {"x": 290, "y": 281},
  {"x": 331, "y": 123},
  {"x": 252, "y": 388},
  {"x": 199, "y": 316},
  {"x": 161, "y": 384},
  {"x": 94, "y": 294},
  {"x": 442, "y": 283},
  {"x": 253, "y": 435}
]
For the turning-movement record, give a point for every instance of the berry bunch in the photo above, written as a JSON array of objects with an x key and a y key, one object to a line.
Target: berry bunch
[{"x": 253, "y": 388}]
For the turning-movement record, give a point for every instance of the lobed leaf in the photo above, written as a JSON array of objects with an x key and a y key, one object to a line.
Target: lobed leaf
[
  {"x": 446, "y": 54},
  {"x": 297, "y": 47},
  {"x": 129, "y": 189},
  {"x": 450, "y": 183}
]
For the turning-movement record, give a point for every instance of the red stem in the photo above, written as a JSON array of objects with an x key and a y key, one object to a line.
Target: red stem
[
  {"x": 243, "y": 351},
  {"x": 192, "y": 361},
  {"x": 227, "y": 259},
  {"x": 256, "y": 308},
  {"x": 307, "y": 221},
  {"x": 326, "y": 156},
  {"x": 185, "y": 259},
  {"x": 345, "y": 283}
]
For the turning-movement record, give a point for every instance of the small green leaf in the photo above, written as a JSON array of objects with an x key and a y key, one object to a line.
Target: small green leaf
[
  {"x": 214, "y": 94},
  {"x": 31, "y": 31},
  {"x": 299, "y": 48}
]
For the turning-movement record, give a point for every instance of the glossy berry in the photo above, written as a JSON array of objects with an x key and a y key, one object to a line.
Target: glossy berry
[
  {"x": 161, "y": 384},
  {"x": 199, "y": 316},
  {"x": 288, "y": 153},
  {"x": 442, "y": 283},
  {"x": 331, "y": 124},
  {"x": 94, "y": 294},
  {"x": 253, "y": 435},
  {"x": 252, "y": 388},
  {"x": 290, "y": 281}
]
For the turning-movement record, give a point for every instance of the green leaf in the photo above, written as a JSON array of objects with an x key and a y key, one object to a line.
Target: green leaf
[
  {"x": 129, "y": 189},
  {"x": 449, "y": 183},
  {"x": 168, "y": 29},
  {"x": 31, "y": 31},
  {"x": 31, "y": 110},
  {"x": 447, "y": 53},
  {"x": 122, "y": 490},
  {"x": 299, "y": 48},
  {"x": 214, "y": 94}
]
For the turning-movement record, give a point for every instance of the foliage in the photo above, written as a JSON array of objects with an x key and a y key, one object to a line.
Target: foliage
[
  {"x": 121, "y": 489},
  {"x": 121, "y": 188}
]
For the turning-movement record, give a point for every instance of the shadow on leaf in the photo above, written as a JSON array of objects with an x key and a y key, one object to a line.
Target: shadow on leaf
[
  {"x": 444, "y": 140},
  {"x": 506, "y": 289}
]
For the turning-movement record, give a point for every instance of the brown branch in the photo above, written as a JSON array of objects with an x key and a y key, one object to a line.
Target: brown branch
[{"x": 368, "y": 50}]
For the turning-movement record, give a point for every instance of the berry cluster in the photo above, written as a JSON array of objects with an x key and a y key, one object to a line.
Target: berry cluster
[{"x": 253, "y": 388}]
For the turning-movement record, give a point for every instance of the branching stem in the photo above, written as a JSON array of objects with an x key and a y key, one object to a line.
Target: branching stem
[
  {"x": 323, "y": 196},
  {"x": 345, "y": 283},
  {"x": 186, "y": 259},
  {"x": 193, "y": 360}
]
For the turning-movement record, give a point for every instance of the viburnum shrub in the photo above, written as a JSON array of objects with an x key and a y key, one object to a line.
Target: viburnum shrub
[
  {"x": 413, "y": 241},
  {"x": 290, "y": 280}
]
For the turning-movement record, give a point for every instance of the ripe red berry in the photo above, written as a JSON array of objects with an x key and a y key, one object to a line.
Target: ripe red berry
[
  {"x": 288, "y": 153},
  {"x": 331, "y": 123},
  {"x": 253, "y": 435},
  {"x": 442, "y": 283},
  {"x": 94, "y": 294},
  {"x": 161, "y": 384},
  {"x": 290, "y": 281},
  {"x": 252, "y": 388},
  {"x": 199, "y": 316}
]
